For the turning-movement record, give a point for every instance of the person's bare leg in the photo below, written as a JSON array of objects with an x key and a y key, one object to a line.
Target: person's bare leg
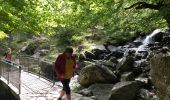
[
  {"x": 62, "y": 93},
  {"x": 68, "y": 97}
]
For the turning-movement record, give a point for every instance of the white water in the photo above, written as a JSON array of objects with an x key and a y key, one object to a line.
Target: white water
[{"x": 148, "y": 40}]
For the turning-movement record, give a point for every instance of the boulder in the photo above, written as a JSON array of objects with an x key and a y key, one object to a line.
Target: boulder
[
  {"x": 101, "y": 91},
  {"x": 160, "y": 74},
  {"x": 127, "y": 76},
  {"x": 158, "y": 37},
  {"x": 85, "y": 63},
  {"x": 89, "y": 55},
  {"x": 166, "y": 40},
  {"x": 126, "y": 64},
  {"x": 117, "y": 54},
  {"x": 113, "y": 59},
  {"x": 81, "y": 57},
  {"x": 137, "y": 43},
  {"x": 107, "y": 63},
  {"x": 124, "y": 90},
  {"x": 98, "y": 51},
  {"x": 96, "y": 74}
]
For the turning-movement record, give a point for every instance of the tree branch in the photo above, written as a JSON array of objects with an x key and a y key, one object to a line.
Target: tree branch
[{"x": 144, "y": 5}]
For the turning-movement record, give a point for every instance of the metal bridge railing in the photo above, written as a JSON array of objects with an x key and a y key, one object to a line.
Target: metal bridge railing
[
  {"x": 35, "y": 65},
  {"x": 11, "y": 72}
]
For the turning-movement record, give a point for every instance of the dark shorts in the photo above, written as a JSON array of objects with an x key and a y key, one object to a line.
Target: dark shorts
[{"x": 66, "y": 86}]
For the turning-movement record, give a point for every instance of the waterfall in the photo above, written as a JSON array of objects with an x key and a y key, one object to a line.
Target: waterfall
[{"x": 148, "y": 40}]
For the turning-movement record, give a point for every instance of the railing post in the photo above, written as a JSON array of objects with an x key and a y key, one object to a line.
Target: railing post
[
  {"x": 39, "y": 66},
  {"x": 0, "y": 68},
  {"x": 53, "y": 66},
  {"x": 19, "y": 79},
  {"x": 8, "y": 74}
]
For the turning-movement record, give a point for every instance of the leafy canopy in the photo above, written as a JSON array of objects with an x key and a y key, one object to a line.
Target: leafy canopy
[{"x": 109, "y": 16}]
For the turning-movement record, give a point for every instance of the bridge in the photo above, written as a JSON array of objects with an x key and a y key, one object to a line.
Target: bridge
[{"x": 27, "y": 81}]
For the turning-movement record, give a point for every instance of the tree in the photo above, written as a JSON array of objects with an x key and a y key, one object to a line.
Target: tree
[
  {"x": 108, "y": 16},
  {"x": 163, "y": 6}
]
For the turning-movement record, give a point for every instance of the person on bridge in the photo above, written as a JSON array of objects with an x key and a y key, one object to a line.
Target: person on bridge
[
  {"x": 8, "y": 55},
  {"x": 65, "y": 66}
]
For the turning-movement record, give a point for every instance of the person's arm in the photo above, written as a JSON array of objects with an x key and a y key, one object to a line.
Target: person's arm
[
  {"x": 76, "y": 65},
  {"x": 57, "y": 67}
]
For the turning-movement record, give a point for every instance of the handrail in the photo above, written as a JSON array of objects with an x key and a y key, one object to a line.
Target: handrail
[
  {"x": 29, "y": 63},
  {"x": 11, "y": 72}
]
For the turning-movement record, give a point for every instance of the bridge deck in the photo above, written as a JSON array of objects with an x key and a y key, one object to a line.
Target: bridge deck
[{"x": 35, "y": 88}]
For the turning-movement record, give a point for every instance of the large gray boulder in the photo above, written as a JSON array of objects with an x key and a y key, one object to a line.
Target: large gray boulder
[
  {"x": 96, "y": 74},
  {"x": 160, "y": 74},
  {"x": 124, "y": 90},
  {"x": 101, "y": 91}
]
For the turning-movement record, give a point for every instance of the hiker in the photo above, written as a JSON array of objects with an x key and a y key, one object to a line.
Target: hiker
[
  {"x": 8, "y": 55},
  {"x": 65, "y": 66}
]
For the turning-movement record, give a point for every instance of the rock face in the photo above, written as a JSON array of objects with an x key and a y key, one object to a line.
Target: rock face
[
  {"x": 160, "y": 73},
  {"x": 124, "y": 90},
  {"x": 96, "y": 74}
]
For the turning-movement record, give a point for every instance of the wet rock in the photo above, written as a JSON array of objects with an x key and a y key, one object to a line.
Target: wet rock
[
  {"x": 141, "y": 55},
  {"x": 126, "y": 64},
  {"x": 137, "y": 71},
  {"x": 127, "y": 76},
  {"x": 137, "y": 43},
  {"x": 155, "y": 48},
  {"x": 117, "y": 54},
  {"x": 166, "y": 40},
  {"x": 164, "y": 50},
  {"x": 101, "y": 91},
  {"x": 96, "y": 74},
  {"x": 124, "y": 90},
  {"x": 158, "y": 37},
  {"x": 98, "y": 53},
  {"x": 113, "y": 59},
  {"x": 138, "y": 56}
]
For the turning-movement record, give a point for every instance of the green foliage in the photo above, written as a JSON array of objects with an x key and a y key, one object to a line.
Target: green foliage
[
  {"x": 67, "y": 19},
  {"x": 3, "y": 35}
]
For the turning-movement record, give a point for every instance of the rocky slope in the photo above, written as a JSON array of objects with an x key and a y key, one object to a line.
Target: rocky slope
[{"x": 125, "y": 70}]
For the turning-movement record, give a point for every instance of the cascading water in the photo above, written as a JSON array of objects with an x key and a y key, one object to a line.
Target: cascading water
[{"x": 148, "y": 40}]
